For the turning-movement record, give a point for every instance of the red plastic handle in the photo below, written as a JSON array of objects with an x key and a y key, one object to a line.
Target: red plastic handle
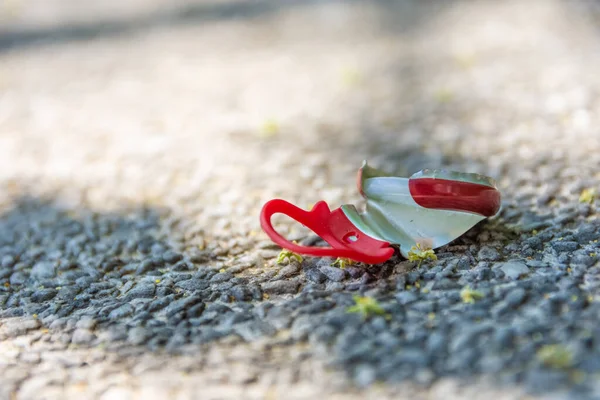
[{"x": 332, "y": 226}]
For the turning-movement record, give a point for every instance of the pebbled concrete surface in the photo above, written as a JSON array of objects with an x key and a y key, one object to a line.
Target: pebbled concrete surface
[{"x": 139, "y": 140}]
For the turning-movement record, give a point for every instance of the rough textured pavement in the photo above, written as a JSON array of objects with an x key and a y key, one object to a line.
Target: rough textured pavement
[{"x": 138, "y": 141}]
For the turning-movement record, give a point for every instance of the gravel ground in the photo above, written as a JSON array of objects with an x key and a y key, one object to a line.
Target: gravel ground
[{"x": 138, "y": 142}]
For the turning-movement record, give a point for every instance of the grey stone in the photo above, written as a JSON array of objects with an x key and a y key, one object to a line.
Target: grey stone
[
  {"x": 141, "y": 291},
  {"x": 463, "y": 264},
  {"x": 256, "y": 291},
  {"x": 181, "y": 305},
  {"x": 446, "y": 284},
  {"x": 514, "y": 269},
  {"x": 365, "y": 375},
  {"x": 447, "y": 272},
  {"x": 195, "y": 310},
  {"x": 43, "y": 270},
  {"x": 223, "y": 286},
  {"x": 7, "y": 261},
  {"x": 43, "y": 295},
  {"x": 462, "y": 340},
  {"x": 536, "y": 264},
  {"x": 354, "y": 272},
  {"x": 462, "y": 362},
  {"x": 401, "y": 283},
  {"x": 590, "y": 364},
  {"x": 432, "y": 273},
  {"x": 334, "y": 286},
  {"x": 534, "y": 242},
  {"x": 171, "y": 257},
  {"x": 323, "y": 334},
  {"x": 483, "y": 274},
  {"x": 12, "y": 312},
  {"x": 425, "y": 377},
  {"x": 58, "y": 324},
  {"x": 176, "y": 341},
  {"x": 219, "y": 308},
  {"x": 492, "y": 364},
  {"x": 413, "y": 357},
  {"x": 288, "y": 271},
  {"x": 583, "y": 259},
  {"x": 145, "y": 266},
  {"x": 82, "y": 336},
  {"x": 385, "y": 271},
  {"x": 123, "y": 289},
  {"x": 221, "y": 277},
  {"x": 436, "y": 343},
  {"x": 487, "y": 253},
  {"x": 122, "y": 311},
  {"x": 424, "y": 307},
  {"x": 503, "y": 338},
  {"x": 254, "y": 329},
  {"x": 544, "y": 380},
  {"x": 355, "y": 348},
  {"x": 279, "y": 317},
  {"x": 18, "y": 327},
  {"x": 193, "y": 284},
  {"x": 385, "y": 337},
  {"x": 137, "y": 335},
  {"x": 18, "y": 278},
  {"x": 182, "y": 266},
  {"x": 160, "y": 303},
  {"x": 314, "y": 275},
  {"x": 366, "y": 278},
  {"x": 318, "y": 307},
  {"x": 333, "y": 273},
  {"x": 412, "y": 277},
  {"x": 210, "y": 334},
  {"x": 30, "y": 358},
  {"x": 515, "y": 297},
  {"x": 563, "y": 245},
  {"x": 588, "y": 233},
  {"x": 280, "y": 287},
  {"x": 302, "y": 326},
  {"x": 87, "y": 323},
  {"x": 240, "y": 293},
  {"x": 5, "y": 273}
]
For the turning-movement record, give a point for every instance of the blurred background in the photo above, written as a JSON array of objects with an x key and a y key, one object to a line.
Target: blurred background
[{"x": 209, "y": 108}]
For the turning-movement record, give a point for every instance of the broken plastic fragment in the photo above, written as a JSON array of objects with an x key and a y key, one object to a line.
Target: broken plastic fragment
[{"x": 426, "y": 211}]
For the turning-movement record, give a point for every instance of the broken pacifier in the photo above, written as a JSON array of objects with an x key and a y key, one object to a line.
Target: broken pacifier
[{"x": 429, "y": 209}]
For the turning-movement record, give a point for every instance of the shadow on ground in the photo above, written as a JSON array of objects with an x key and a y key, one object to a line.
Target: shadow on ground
[
  {"x": 111, "y": 269},
  {"x": 94, "y": 279}
]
